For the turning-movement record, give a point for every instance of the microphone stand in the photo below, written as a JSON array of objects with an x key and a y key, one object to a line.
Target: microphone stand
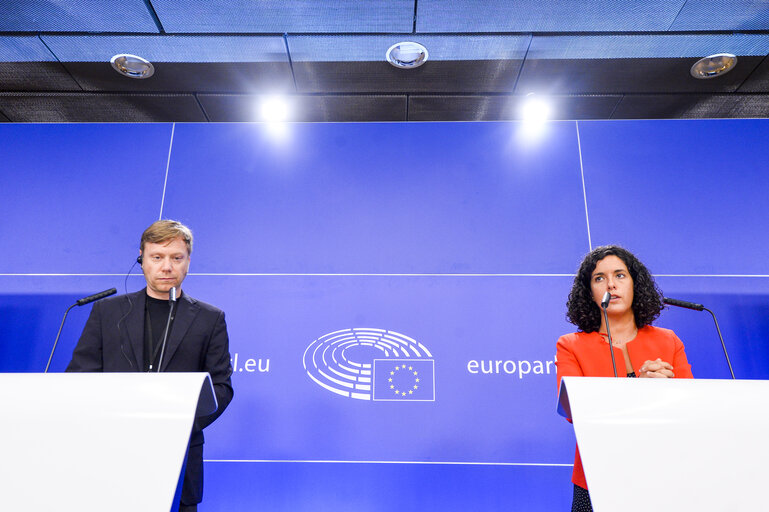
[
  {"x": 172, "y": 302},
  {"x": 604, "y": 305},
  {"x": 722, "y": 342},
  {"x": 700, "y": 307},
  {"x": 57, "y": 337},
  {"x": 79, "y": 302}
]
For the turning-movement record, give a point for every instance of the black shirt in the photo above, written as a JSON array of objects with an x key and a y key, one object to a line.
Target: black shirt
[{"x": 155, "y": 318}]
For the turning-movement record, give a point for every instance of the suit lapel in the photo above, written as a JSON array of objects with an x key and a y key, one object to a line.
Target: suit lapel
[
  {"x": 184, "y": 316},
  {"x": 134, "y": 327}
]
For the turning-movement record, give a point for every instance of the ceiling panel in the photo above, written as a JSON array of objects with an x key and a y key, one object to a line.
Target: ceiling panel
[
  {"x": 671, "y": 106},
  {"x": 758, "y": 81},
  {"x": 622, "y": 46},
  {"x": 329, "y": 56},
  {"x": 634, "y": 64},
  {"x": 285, "y": 16},
  {"x": 455, "y": 64},
  {"x": 546, "y": 16},
  {"x": 27, "y": 65},
  {"x": 35, "y": 76},
  {"x": 723, "y": 15},
  {"x": 373, "y": 48},
  {"x": 504, "y": 108},
  {"x": 76, "y": 16},
  {"x": 607, "y": 76},
  {"x": 182, "y": 63},
  {"x": 188, "y": 77},
  {"x": 4, "y": 119},
  {"x": 84, "y": 107},
  {"x": 24, "y": 49},
  {"x": 169, "y": 48},
  {"x": 245, "y": 108}
]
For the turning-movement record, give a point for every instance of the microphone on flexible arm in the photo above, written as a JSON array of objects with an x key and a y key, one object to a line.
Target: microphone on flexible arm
[
  {"x": 171, "y": 301},
  {"x": 79, "y": 302},
  {"x": 605, "y": 304},
  {"x": 700, "y": 307}
]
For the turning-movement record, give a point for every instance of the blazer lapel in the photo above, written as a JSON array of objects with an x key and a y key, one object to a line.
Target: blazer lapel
[
  {"x": 133, "y": 327},
  {"x": 183, "y": 318}
]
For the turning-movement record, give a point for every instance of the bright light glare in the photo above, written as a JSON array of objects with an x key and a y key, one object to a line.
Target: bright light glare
[
  {"x": 274, "y": 109},
  {"x": 535, "y": 110},
  {"x": 278, "y": 132}
]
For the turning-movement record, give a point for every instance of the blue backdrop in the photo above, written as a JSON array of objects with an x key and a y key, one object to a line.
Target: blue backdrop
[{"x": 447, "y": 247}]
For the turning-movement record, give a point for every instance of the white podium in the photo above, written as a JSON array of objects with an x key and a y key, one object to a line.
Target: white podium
[
  {"x": 671, "y": 444},
  {"x": 96, "y": 441}
]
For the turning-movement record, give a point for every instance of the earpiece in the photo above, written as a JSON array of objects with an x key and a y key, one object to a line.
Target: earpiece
[{"x": 139, "y": 259}]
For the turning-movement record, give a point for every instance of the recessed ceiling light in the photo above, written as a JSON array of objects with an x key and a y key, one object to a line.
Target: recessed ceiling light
[
  {"x": 132, "y": 66},
  {"x": 407, "y": 55},
  {"x": 713, "y": 66}
]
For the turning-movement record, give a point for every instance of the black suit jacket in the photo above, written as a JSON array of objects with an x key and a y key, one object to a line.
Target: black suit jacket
[{"x": 113, "y": 341}]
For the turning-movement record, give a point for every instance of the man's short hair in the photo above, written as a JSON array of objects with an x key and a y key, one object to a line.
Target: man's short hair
[{"x": 164, "y": 231}]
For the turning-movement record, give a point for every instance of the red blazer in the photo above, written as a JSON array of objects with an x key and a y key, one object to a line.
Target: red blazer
[{"x": 586, "y": 355}]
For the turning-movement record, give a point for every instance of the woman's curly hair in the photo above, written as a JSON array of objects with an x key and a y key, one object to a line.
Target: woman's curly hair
[{"x": 586, "y": 315}]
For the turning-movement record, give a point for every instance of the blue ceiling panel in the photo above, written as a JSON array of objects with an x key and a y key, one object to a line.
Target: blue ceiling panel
[
  {"x": 723, "y": 15},
  {"x": 24, "y": 49},
  {"x": 550, "y": 16},
  {"x": 76, "y": 16},
  {"x": 282, "y": 16},
  {"x": 439, "y": 47},
  {"x": 646, "y": 46},
  {"x": 170, "y": 48}
]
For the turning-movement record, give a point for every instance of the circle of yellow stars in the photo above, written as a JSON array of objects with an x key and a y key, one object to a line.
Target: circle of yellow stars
[{"x": 404, "y": 369}]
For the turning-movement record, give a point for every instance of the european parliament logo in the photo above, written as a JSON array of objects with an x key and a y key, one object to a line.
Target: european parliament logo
[{"x": 372, "y": 364}]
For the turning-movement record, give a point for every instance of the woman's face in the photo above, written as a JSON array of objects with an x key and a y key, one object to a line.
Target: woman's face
[{"x": 611, "y": 275}]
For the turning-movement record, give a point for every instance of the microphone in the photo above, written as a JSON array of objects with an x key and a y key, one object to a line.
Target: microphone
[
  {"x": 79, "y": 302},
  {"x": 700, "y": 307},
  {"x": 95, "y": 297},
  {"x": 683, "y": 304},
  {"x": 172, "y": 302},
  {"x": 605, "y": 304}
]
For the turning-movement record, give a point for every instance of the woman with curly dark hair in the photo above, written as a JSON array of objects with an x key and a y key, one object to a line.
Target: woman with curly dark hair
[{"x": 640, "y": 350}]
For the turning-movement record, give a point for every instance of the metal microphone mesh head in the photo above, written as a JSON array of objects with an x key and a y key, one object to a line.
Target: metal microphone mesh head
[{"x": 172, "y": 294}]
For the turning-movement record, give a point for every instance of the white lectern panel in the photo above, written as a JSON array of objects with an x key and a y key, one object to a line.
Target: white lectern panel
[
  {"x": 671, "y": 444},
  {"x": 96, "y": 441}
]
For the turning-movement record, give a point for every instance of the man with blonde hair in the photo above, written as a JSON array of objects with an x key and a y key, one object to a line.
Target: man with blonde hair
[{"x": 125, "y": 333}]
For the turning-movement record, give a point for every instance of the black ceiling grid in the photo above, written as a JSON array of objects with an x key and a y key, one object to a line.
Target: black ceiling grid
[{"x": 215, "y": 59}]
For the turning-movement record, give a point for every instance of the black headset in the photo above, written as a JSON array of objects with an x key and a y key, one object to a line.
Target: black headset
[{"x": 139, "y": 259}]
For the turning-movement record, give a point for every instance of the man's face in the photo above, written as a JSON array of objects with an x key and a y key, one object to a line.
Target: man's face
[{"x": 165, "y": 265}]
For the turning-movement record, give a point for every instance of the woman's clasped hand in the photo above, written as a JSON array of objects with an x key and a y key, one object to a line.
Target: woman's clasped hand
[{"x": 656, "y": 369}]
